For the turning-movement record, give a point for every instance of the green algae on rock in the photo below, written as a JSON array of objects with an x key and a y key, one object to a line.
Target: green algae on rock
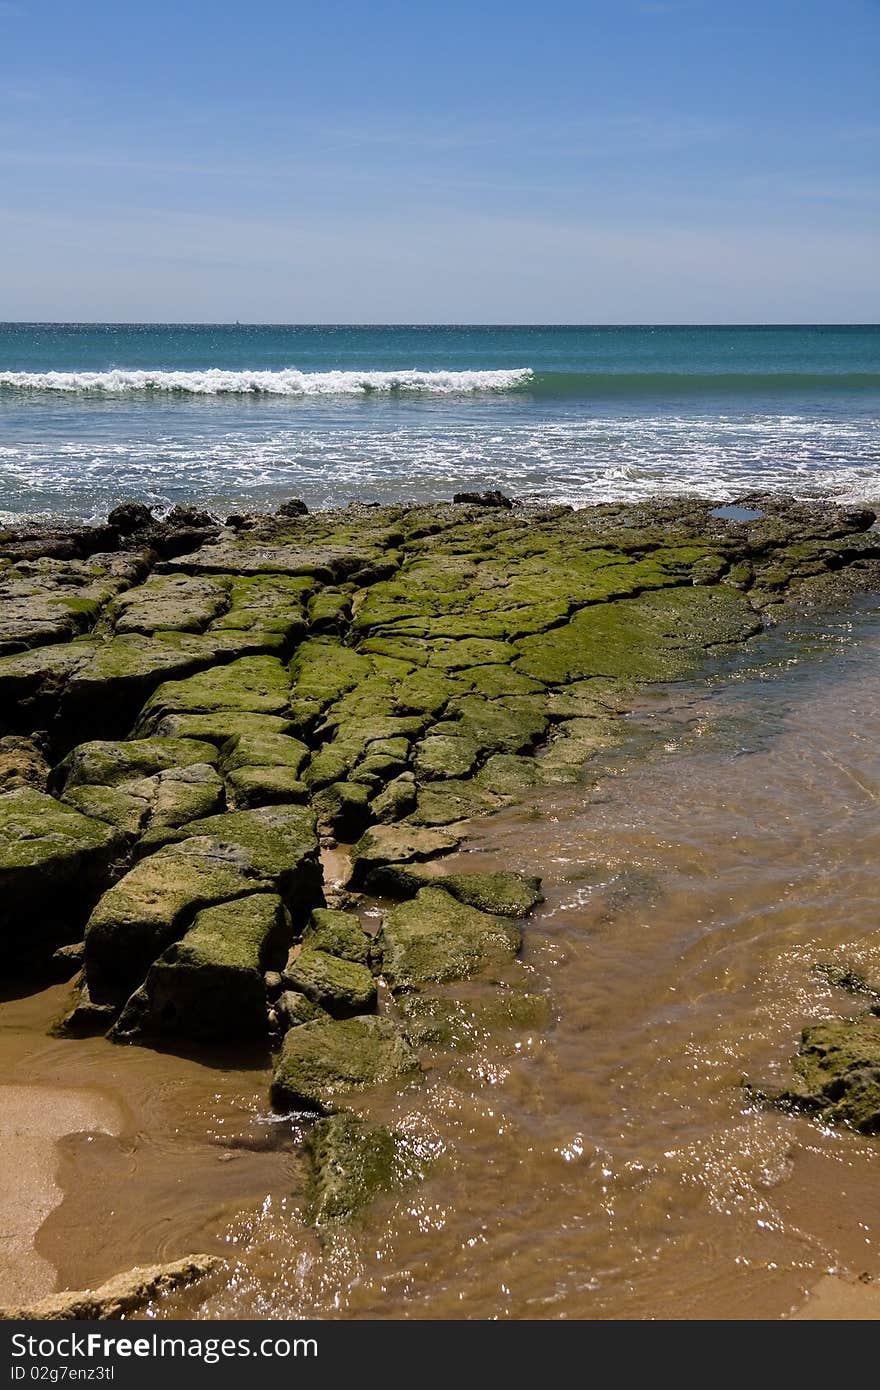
[
  {"x": 214, "y": 861},
  {"x": 838, "y": 1073},
  {"x": 352, "y": 1162},
  {"x": 503, "y": 893},
  {"x": 339, "y": 934},
  {"x": 210, "y": 983},
  {"x": 341, "y": 987},
  {"x": 324, "y": 1062},
  {"x": 54, "y": 861},
  {"x": 435, "y": 938}
]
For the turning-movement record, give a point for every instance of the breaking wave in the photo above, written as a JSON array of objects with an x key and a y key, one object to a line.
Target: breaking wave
[{"x": 218, "y": 382}]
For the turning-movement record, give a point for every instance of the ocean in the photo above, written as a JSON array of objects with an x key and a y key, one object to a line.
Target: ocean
[{"x": 235, "y": 416}]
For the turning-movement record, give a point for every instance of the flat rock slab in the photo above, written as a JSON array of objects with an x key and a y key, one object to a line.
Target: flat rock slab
[
  {"x": 503, "y": 894},
  {"x": 397, "y": 844},
  {"x": 434, "y": 938},
  {"x": 323, "y": 1062}
]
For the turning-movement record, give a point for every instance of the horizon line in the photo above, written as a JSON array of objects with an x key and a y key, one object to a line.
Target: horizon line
[{"x": 428, "y": 323}]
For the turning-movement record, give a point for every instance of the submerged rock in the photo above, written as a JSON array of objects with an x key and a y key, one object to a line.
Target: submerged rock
[
  {"x": 354, "y": 1161},
  {"x": 323, "y": 1062},
  {"x": 838, "y": 1073}
]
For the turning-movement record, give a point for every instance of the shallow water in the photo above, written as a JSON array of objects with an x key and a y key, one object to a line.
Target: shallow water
[{"x": 608, "y": 1167}]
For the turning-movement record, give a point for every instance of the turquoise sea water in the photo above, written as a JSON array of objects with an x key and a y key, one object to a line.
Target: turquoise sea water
[{"x": 240, "y": 415}]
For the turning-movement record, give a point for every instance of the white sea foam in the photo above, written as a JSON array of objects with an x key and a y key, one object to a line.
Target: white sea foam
[{"x": 217, "y": 382}]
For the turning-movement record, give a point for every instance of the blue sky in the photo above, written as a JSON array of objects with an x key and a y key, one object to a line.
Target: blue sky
[{"x": 600, "y": 161}]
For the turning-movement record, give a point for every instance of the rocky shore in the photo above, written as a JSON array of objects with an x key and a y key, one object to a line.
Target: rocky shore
[{"x": 193, "y": 713}]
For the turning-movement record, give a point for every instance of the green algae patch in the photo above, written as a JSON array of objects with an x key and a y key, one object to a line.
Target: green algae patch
[
  {"x": 169, "y": 603},
  {"x": 264, "y": 750},
  {"x": 277, "y": 843},
  {"x": 293, "y": 1009},
  {"x": 219, "y": 727},
  {"x": 250, "y": 787},
  {"x": 152, "y": 906},
  {"x": 444, "y": 803},
  {"x": 324, "y": 1062},
  {"x": 168, "y": 800},
  {"x": 658, "y": 636},
  {"x": 504, "y": 893},
  {"x": 435, "y": 938},
  {"x": 838, "y": 1073},
  {"x": 341, "y": 987},
  {"x": 210, "y": 984}
]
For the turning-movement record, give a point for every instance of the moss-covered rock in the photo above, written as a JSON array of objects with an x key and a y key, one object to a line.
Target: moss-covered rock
[
  {"x": 446, "y": 755},
  {"x": 341, "y": 986},
  {"x": 275, "y": 843},
  {"x": 215, "y": 860},
  {"x": 218, "y": 728},
  {"x": 173, "y": 602},
  {"x": 838, "y": 1073},
  {"x": 444, "y": 803},
  {"x": 264, "y": 750},
  {"x": 343, "y": 808},
  {"x": 293, "y": 1008},
  {"x": 435, "y": 938},
  {"x": 54, "y": 862},
  {"x": 105, "y": 763},
  {"x": 339, "y": 934},
  {"x": 394, "y": 801},
  {"x": 249, "y": 787},
  {"x": 322, "y": 1063},
  {"x": 251, "y": 685},
  {"x": 210, "y": 983},
  {"x": 504, "y": 893},
  {"x": 169, "y": 799},
  {"x": 396, "y": 844}
]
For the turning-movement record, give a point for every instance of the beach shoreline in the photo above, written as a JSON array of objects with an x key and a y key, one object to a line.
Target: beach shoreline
[{"x": 317, "y": 709}]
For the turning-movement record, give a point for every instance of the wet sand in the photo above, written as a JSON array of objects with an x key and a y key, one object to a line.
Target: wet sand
[
  {"x": 33, "y": 1121},
  {"x": 610, "y": 1166}
]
